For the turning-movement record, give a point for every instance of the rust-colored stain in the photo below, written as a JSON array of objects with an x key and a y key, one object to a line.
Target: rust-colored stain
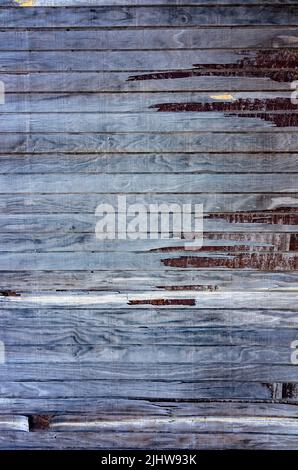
[
  {"x": 289, "y": 390},
  {"x": 202, "y": 287},
  {"x": 39, "y": 422},
  {"x": 260, "y": 261},
  {"x": 161, "y": 302},
  {"x": 270, "y": 64}
]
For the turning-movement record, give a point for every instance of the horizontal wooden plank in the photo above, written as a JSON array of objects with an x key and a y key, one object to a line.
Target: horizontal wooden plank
[
  {"x": 86, "y": 203},
  {"x": 13, "y": 423},
  {"x": 149, "y": 163},
  {"x": 151, "y": 143},
  {"x": 178, "y": 299},
  {"x": 153, "y": 39},
  {"x": 24, "y": 316},
  {"x": 247, "y": 222},
  {"x": 178, "y": 279},
  {"x": 81, "y": 260},
  {"x": 194, "y": 425},
  {"x": 63, "y": 102},
  {"x": 123, "y": 440},
  {"x": 74, "y": 82},
  {"x": 147, "y": 183},
  {"x": 100, "y": 61},
  {"x": 229, "y": 244},
  {"x": 140, "y": 389},
  {"x": 149, "y": 16},
  {"x": 136, "y": 371},
  {"x": 90, "y": 334},
  {"x": 146, "y": 122},
  {"x": 86, "y": 354},
  {"x": 109, "y": 408}
]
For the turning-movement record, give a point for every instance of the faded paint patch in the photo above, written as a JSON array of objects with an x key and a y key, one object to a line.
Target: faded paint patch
[
  {"x": 225, "y": 96},
  {"x": 25, "y": 3}
]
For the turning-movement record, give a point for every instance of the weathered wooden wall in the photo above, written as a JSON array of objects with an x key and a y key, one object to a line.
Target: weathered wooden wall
[{"x": 144, "y": 344}]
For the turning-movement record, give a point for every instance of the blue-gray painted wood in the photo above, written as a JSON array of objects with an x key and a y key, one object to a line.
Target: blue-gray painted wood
[{"x": 157, "y": 346}]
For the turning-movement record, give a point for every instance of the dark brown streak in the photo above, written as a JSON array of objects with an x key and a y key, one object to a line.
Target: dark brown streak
[
  {"x": 263, "y": 262},
  {"x": 276, "y": 104},
  {"x": 160, "y": 302},
  {"x": 293, "y": 242},
  {"x": 201, "y": 287},
  {"x": 267, "y": 59},
  {"x": 39, "y": 422},
  {"x": 289, "y": 390},
  {"x": 221, "y": 248},
  {"x": 9, "y": 293},
  {"x": 279, "y": 120}
]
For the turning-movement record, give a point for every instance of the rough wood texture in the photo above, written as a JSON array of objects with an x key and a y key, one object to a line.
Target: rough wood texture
[{"x": 142, "y": 343}]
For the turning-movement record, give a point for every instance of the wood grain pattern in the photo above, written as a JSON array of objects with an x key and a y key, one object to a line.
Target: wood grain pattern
[
  {"x": 267, "y": 373},
  {"x": 76, "y": 82},
  {"x": 149, "y": 16},
  {"x": 188, "y": 299},
  {"x": 11, "y": 203},
  {"x": 83, "y": 102},
  {"x": 149, "y": 163},
  {"x": 149, "y": 38},
  {"x": 142, "y": 343},
  {"x": 13, "y": 423},
  {"x": 150, "y": 122},
  {"x": 178, "y": 279},
  {"x": 150, "y": 142},
  {"x": 124, "y": 440}
]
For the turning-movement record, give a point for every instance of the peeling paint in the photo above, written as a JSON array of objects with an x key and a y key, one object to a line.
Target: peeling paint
[
  {"x": 272, "y": 64},
  {"x": 242, "y": 105}
]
